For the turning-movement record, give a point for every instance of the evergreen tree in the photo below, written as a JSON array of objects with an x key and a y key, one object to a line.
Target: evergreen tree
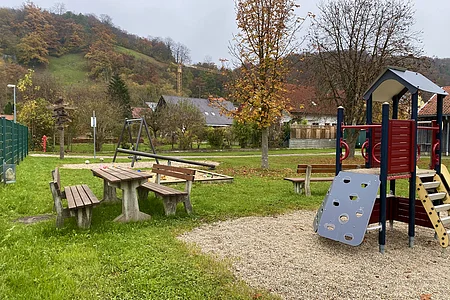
[
  {"x": 8, "y": 109},
  {"x": 118, "y": 93}
]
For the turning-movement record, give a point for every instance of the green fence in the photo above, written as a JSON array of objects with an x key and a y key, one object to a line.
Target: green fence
[{"x": 13, "y": 142}]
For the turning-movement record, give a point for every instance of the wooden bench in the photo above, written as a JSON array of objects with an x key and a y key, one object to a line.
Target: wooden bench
[
  {"x": 304, "y": 183},
  {"x": 171, "y": 197},
  {"x": 80, "y": 201}
]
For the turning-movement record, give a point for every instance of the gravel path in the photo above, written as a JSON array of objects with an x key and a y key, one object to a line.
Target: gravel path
[{"x": 283, "y": 254}]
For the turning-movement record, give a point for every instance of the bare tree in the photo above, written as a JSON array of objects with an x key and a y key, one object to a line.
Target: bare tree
[
  {"x": 181, "y": 53},
  {"x": 106, "y": 19},
  {"x": 58, "y": 8},
  {"x": 354, "y": 40}
]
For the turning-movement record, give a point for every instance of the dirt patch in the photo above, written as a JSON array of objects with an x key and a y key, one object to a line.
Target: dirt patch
[{"x": 34, "y": 219}]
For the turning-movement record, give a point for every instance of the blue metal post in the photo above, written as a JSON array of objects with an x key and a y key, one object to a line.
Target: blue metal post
[
  {"x": 369, "y": 131},
  {"x": 339, "y": 135},
  {"x": 439, "y": 104},
  {"x": 383, "y": 174},
  {"x": 395, "y": 102},
  {"x": 412, "y": 181}
]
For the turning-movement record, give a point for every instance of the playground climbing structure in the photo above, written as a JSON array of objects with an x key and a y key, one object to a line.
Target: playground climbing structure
[{"x": 390, "y": 154}]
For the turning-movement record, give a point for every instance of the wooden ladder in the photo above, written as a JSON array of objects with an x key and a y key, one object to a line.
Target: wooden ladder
[{"x": 435, "y": 199}]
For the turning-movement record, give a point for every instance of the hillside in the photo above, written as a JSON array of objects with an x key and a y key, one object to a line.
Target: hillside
[
  {"x": 83, "y": 49},
  {"x": 69, "y": 69}
]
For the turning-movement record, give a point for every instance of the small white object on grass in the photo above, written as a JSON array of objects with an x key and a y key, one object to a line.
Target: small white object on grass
[
  {"x": 86, "y": 161},
  {"x": 101, "y": 159}
]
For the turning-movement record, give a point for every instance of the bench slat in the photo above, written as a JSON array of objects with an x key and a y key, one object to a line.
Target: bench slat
[
  {"x": 182, "y": 173},
  {"x": 175, "y": 169},
  {"x": 70, "y": 197},
  {"x": 77, "y": 196},
  {"x": 91, "y": 195},
  {"x": 354, "y": 166},
  {"x": 173, "y": 174},
  {"x": 299, "y": 179},
  {"x": 325, "y": 168},
  {"x": 161, "y": 189}
]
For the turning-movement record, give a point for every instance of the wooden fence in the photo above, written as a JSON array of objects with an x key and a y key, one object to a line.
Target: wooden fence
[
  {"x": 313, "y": 132},
  {"x": 13, "y": 142}
]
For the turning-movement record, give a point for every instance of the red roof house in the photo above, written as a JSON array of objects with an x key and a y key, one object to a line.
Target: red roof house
[
  {"x": 306, "y": 104},
  {"x": 429, "y": 109}
]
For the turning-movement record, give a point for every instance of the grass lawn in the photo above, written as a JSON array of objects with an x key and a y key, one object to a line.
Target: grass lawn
[
  {"x": 141, "y": 260},
  {"x": 69, "y": 68},
  {"x": 205, "y": 150},
  {"x": 141, "y": 56},
  {"x": 135, "y": 260}
]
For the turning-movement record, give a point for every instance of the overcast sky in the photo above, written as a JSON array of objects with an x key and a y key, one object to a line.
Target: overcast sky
[{"x": 206, "y": 26}]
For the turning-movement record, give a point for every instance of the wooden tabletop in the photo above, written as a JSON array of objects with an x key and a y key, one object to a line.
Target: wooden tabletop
[{"x": 119, "y": 174}]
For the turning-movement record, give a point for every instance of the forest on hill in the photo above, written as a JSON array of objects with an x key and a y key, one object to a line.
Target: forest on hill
[{"x": 66, "y": 49}]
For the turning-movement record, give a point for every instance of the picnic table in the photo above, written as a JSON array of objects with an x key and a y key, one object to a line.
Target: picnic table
[{"x": 127, "y": 180}]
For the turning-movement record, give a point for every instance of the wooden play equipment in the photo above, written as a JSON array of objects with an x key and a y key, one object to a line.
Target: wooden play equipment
[{"x": 391, "y": 154}]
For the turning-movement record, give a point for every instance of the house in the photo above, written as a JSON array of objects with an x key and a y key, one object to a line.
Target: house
[
  {"x": 305, "y": 104},
  {"x": 151, "y": 105},
  {"x": 428, "y": 112},
  {"x": 213, "y": 115},
  {"x": 318, "y": 116},
  {"x": 7, "y": 117}
]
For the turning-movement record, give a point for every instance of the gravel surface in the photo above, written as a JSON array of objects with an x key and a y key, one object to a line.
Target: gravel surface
[{"x": 283, "y": 255}]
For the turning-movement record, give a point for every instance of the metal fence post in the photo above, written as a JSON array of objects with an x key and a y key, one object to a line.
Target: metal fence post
[{"x": 3, "y": 127}]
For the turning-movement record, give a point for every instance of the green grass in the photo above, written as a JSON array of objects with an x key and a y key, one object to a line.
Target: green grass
[
  {"x": 69, "y": 68},
  {"x": 141, "y": 260},
  {"x": 136, "y": 260},
  {"x": 141, "y": 56},
  {"x": 205, "y": 150}
]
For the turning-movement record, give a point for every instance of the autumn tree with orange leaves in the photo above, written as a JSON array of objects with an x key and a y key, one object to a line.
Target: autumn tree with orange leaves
[{"x": 267, "y": 35}]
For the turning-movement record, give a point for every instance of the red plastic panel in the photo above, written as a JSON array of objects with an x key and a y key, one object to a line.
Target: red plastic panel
[
  {"x": 401, "y": 146},
  {"x": 376, "y": 138}
]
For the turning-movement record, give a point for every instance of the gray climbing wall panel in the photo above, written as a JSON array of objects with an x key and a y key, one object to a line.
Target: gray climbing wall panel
[{"x": 346, "y": 209}]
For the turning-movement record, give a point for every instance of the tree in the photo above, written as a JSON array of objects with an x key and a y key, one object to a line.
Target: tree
[
  {"x": 354, "y": 41},
  {"x": 37, "y": 36},
  {"x": 182, "y": 120},
  {"x": 36, "y": 115},
  {"x": 32, "y": 50},
  {"x": 107, "y": 114},
  {"x": 8, "y": 109},
  {"x": 101, "y": 55},
  {"x": 267, "y": 35},
  {"x": 118, "y": 93},
  {"x": 58, "y": 8}
]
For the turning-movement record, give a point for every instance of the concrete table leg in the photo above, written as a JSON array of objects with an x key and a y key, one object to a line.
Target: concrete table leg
[
  {"x": 130, "y": 204},
  {"x": 109, "y": 192}
]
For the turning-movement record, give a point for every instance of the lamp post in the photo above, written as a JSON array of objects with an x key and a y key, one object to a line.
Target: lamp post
[{"x": 14, "y": 87}]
